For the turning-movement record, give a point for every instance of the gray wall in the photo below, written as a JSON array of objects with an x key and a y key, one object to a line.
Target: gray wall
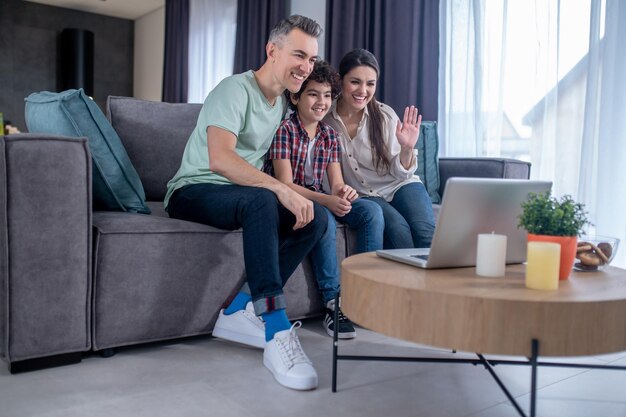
[{"x": 28, "y": 53}]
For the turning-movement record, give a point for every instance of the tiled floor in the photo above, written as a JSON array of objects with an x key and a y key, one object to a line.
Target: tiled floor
[{"x": 208, "y": 377}]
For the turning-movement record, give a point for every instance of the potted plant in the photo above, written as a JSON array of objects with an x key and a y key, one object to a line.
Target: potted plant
[{"x": 550, "y": 219}]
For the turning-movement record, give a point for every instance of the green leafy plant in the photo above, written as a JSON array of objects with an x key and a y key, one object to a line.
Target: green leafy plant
[{"x": 546, "y": 215}]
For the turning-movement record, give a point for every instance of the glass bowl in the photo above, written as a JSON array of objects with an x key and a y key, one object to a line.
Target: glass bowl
[{"x": 595, "y": 252}]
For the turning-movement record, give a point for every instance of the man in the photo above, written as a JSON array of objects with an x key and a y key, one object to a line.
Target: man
[{"x": 220, "y": 183}]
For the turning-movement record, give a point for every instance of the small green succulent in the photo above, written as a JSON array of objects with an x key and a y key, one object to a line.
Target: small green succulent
[{"x": 546, "y": 215}]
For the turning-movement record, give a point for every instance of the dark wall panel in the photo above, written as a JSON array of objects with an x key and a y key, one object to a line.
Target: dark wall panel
[{"x": 28, "y": 53}]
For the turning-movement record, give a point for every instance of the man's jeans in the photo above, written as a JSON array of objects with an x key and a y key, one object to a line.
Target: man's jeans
[
  {"x": 271, "y": 248},
  {"x": 409, "y": 218},
  {"x": 366, "y": 218}
]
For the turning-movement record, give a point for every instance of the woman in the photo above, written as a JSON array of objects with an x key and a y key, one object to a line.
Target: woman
[{"x": 378, "y": 158}]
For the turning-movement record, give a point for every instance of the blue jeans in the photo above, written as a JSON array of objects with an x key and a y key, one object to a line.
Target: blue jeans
[
  {"x": 367, "y": 218},
  {"x": 409, "y": 218},
  {"x": 271, "y": 248}
]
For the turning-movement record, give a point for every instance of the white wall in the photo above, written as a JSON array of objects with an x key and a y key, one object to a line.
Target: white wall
[
  {"x": 150, "y": 38},
  {"x": 148, "y": 62},
  {"x": 316, "y": 10}
]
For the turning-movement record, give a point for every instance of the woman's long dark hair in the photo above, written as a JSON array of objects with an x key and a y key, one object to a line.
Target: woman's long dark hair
[{"x": 380, "y": 153}]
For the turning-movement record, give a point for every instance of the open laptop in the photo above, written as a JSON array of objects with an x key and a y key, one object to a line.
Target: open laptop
[{"x": 472, "y": 206}]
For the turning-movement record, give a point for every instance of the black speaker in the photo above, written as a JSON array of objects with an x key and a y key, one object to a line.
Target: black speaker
[{"x": 76, "y": 60}]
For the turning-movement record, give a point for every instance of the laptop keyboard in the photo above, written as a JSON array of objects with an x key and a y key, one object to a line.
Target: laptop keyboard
[{"x": 424, "y": 257}]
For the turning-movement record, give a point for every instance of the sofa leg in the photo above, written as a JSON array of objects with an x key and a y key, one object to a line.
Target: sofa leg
[
  {"x": 107, "y": 353},
  {"x": 43, "y": 363}
]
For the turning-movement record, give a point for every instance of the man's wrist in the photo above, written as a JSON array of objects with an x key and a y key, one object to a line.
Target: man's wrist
[{"x": 279, "y": 188}]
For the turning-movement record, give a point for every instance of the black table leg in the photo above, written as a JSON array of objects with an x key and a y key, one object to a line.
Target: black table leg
[
  {"x": 335, "y": 344},
  {"x": 489, "y": 368},
  {"x": 533, "y": 376}
]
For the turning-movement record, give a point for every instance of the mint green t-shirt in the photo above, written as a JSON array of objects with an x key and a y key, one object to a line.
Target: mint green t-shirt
[{"x": 237, "y": 105}]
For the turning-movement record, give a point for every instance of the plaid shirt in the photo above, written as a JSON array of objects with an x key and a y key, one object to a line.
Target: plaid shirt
[{"x": 291, "y": 141}]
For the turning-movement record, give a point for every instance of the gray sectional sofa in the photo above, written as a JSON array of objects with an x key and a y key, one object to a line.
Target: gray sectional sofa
[{"x": 73, "y": 280}]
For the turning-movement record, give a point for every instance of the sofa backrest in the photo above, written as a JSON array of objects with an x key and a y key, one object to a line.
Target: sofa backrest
[{"x": 154, "y": 135}]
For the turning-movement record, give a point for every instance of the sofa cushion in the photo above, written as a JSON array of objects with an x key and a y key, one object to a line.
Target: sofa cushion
[
  {"x": 158, "y": 278},
  {"x": 154, "y": 135},
  {"x": 116, "y": 184},
  {"x": 428, "y": 159}
]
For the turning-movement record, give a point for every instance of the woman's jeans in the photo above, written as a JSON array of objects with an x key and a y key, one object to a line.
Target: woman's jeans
[
  {"x": 366, "y": 218},
  {"x": 409, "y": 218},
  {"x": 271, "y": 248}
]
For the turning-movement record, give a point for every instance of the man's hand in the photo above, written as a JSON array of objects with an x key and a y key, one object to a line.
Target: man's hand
[{"x": 301, "y": 207}]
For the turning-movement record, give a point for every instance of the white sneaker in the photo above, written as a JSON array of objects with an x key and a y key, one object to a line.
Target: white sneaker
[
  {"x": 286, "y": 360},
  {"x": 242, "y": 326}
]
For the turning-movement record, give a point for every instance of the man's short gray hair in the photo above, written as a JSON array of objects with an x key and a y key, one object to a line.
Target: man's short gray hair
[{"x": 285, "y": 26}]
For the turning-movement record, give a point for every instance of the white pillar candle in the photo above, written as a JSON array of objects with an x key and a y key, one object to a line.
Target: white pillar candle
[
  {"x": 542, "y": 265},
  {"x": 491, "y": 255}
]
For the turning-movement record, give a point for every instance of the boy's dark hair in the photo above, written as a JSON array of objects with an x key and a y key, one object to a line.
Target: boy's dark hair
[{"x": 322, "y": 73}]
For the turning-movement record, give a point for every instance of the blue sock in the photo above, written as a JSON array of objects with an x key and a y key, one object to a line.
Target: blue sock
[
  {"x": 275, "y": 321},
  {"x": 238, "y": 303}
]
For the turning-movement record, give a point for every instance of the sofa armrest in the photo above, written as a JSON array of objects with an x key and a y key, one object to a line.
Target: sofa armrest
[
  {"x": 481, "y": 168},
  {"x": 45, "y": 246}
]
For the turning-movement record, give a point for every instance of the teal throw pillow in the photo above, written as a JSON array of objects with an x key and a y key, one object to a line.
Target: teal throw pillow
[
  {"x": 428, "y": 159},
  {"x": 116, "y": 184}
]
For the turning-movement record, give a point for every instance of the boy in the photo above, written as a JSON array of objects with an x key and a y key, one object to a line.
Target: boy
[{"x": 304, "y": 148}]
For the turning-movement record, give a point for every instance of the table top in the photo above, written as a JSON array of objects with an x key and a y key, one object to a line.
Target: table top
[{"x": 456, "y": 309}]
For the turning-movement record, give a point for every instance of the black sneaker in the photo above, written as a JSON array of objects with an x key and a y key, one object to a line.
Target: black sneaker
[{"x": 345, "y": 329}]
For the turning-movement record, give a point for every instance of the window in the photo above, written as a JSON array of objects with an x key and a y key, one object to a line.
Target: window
[{"x": 212, "y": 31}]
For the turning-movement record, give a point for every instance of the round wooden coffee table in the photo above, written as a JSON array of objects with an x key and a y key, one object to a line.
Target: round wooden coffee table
[{"x": 454, "y": 308}]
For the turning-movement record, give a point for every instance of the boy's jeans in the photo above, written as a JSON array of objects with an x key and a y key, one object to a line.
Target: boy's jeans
[{"x": 366, "y": 217}]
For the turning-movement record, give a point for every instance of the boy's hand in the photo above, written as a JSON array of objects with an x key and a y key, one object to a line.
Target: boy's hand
[
  {"x": 346, "y": 192},
  {"x": 337, "y": 205}
]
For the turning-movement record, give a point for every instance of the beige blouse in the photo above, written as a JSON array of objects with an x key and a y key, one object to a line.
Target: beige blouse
[{"x": 356, "y": 163}]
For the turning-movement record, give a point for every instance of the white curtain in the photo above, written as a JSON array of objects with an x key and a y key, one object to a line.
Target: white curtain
[
  {"x": 212, "y": 31},
  {"x": 603, "y": 156},
  {"x": 545, "y": 82}
]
